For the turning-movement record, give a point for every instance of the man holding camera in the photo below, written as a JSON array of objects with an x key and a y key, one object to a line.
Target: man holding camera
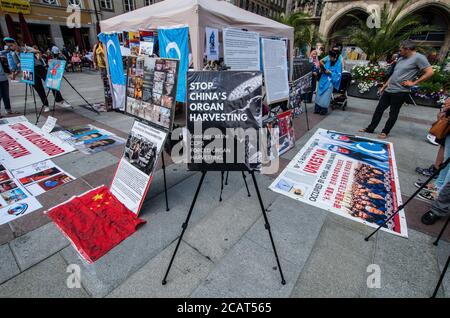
[{"x": 397, "y": 88}]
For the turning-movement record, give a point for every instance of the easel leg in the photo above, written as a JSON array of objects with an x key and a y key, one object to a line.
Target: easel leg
[
  {"x": 221, "y": 185},
  {"x": 442, "y": 231},
  {"x": 34, "y": 99},
  {"x": 246, "y": 185},
  {"x": 267, "y": 225},
  {"x": 184, "y": 226},
  {"x": 42, "y": 107},
  {"x": 90, "y": 105},
  {"x": 226, "y": 179},
  {"x": 401, "y": 207},
  {"x": 26, "y": 94},
  {"x": 165, "y": 182},
  {"x": 306, "y": 114},
  {"x": 441, "y": 278}
]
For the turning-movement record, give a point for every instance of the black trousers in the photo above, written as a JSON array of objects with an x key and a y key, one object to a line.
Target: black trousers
[
  {"x": 40, "y": 74},
  {"x": 4, "y": 94},
  {"x": 393, "y": 100}
]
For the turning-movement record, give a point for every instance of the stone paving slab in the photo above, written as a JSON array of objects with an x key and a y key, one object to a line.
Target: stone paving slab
[
  {"x": 6, "y": 234},
  {"x": 443, "y": 250},
  {"x": 45, "y": 280},
  {"x": 188, "y": 270},
  {"x": 8, "y": 265},
  {"x": 248, "y": 270},
  {"x": 38, "y": 245}
]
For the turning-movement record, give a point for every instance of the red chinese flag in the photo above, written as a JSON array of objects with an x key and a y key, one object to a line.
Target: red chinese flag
[{"x": 95, "y": 222}]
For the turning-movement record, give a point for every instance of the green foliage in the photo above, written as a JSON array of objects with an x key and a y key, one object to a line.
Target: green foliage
[{"x": 304, "y": 32}]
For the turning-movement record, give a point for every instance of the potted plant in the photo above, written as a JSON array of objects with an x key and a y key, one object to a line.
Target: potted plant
[
  {"x": 366, "y": 80},
  {"x": 435, "y": 90}
]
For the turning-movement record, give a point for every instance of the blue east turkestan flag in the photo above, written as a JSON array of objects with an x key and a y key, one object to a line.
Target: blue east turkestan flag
[
  {"x": 111, "y": 42},
  {"x": 174, "y": 43}
]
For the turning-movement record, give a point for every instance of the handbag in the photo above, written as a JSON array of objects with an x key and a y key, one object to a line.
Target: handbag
[{"x": 440, "y": 128}]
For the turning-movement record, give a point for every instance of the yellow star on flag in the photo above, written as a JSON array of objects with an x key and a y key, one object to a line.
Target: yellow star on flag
[{"x": 97, "y": 197}]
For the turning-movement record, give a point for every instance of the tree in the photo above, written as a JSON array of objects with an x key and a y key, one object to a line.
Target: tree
[
  {"x": 304, "y": 32},
  {"x": 378, "y": 42}
]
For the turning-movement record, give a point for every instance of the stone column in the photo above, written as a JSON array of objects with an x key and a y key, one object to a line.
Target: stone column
[{"x": 55, "y": 30}]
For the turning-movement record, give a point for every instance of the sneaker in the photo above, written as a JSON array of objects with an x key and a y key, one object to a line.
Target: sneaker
[
  {"x": 429, "y": 218},
  {"x": 64, "y": 104},
  {"x": 427, "y": 172},
  {"x": 46, "y": 109},
  {"x": 427, "y": 195},
  {"x": 432, "y": 139},
  {"x": 429, "y": 186}
]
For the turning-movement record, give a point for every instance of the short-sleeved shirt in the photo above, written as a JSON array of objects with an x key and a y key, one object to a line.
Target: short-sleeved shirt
[{"x": 406, "y": 69}]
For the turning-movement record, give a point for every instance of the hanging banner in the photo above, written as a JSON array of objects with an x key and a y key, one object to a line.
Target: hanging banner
[
  {"x": 174, "y": 44},
  {"x": 151, "y": 90},
  {"x": 115, "y": 68},
  {"x": 27, "y": 68},
  {"x": 275, "y": 70},
  {"x": 351, "y": 176},
  {"x": 55, "y": 74},
  {"x": 137, "y": 166},
  {"x": 241, "y": 50},
  {"x": 212, "y": 44},
  {"x": 23, "y": 144},
  {"x": 223, "y": 120}
]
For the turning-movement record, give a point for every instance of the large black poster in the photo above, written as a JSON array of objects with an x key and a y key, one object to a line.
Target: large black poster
[
  {"x": 224, "y": 119},
  {"x": 301, "y": 67}
]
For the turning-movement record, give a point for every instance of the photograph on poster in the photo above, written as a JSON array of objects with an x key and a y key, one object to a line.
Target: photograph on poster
[{"x": 7, "y": 185}]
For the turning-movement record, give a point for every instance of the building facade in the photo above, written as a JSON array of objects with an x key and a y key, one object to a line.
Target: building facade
[{"x": 50, "y": 21}]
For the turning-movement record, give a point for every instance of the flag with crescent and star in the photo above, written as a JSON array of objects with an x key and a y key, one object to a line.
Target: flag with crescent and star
[
  {"x": 95, "y": 222},
  {"x": 174, "y": 43}
]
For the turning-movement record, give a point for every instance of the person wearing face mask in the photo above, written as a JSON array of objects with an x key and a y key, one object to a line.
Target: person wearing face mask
[
  {"x": 331, "y": 71},
  {"x": 397, "y": 88}
]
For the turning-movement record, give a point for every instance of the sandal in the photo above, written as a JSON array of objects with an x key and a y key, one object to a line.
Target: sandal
[
  {"x": 365, "y": 130},
  {"x": 382, "y": 136}
]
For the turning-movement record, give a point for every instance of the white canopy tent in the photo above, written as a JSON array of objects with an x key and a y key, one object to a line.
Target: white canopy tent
[{"x": 198, "y": 14}]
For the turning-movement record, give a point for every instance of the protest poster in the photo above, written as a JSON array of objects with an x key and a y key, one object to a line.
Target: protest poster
[
  {"x": 281, "y": 135},
  {"x": 156, "y": 100},
  {"x": 23, "y": 144},
  {"x": 137, "y": 166},
  {"x": 297, "y": 91},
  {"x": 174, "y": 44},
  {"x": 212, "y": 44},
  {"x": 41, "y": 177},
  {"x": 12, "y": 120},
  {"x": 275, "y": 70},
  {"x": 15, "y": 201},
  {"x": 351, "y": 176},
  {"x": 223, "y": 120},
  {"x": 241, "y": 50},
  {"x": 301, "y": 67},
  {"x": 134, "y": 40},
  {"x": 55, "y": 74},
  {"x": 27, "y": 68},
  {"x": 49, "y": 124}
]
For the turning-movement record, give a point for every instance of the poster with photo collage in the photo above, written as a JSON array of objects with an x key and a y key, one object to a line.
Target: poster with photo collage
[{"x": 151, "y": 89}]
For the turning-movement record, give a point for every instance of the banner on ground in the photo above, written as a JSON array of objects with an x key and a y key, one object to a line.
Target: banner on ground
[
  {"x": 174, "y": 44},
  {"x": 23, "y": 144},
  {"x": 212, "y": 44},
  {"x": 27, "y": 68},
  {"x": 223, "y": 120},
  {"x": 151, "y": 89},
  {"x": 275, "y": 70},
  {"x": 137, "y": 166},
  {"x": 351, "y": 176},
  {"x": 55, "y": 74},
  {"x": 115, "y": 68},
  {"x": 241, "y": 49}
]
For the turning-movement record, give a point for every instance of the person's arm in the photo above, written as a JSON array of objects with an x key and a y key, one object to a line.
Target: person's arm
[{"x": 426, "y": 69}]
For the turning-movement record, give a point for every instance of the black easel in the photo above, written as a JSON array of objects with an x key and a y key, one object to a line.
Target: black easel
[
  {"x": 435, "y": 243},
  {"x": 306, "y": 114},
  {"x": 26, "y": 95},
  {"x": 165, "y": 183},
  {"x": 185, "y": 224},
  {"x": 226, "y": 183},
  {"x": 38, "y": 115},
  {"x": 402, "y": 206}
]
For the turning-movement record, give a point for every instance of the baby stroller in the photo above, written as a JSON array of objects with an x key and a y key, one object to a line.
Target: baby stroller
[{"x": 339, "y": 97}]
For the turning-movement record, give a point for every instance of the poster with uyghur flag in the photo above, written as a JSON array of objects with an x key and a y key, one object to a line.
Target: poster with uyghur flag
[
  {"x": 55, "y": 74},
  {"x": 115, "y": 68},
  {"x": 174, "y": 43},
  {"x": 27, "y": 68},
  {"x": 351, "y": 176}
]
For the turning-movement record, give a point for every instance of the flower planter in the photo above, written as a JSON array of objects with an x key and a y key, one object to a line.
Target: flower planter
[
  {"x": 429, "y": 102},
  {"x": 370, "y": 94}
]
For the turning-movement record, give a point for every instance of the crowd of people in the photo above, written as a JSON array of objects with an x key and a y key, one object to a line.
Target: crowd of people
[{"x": 75, "y": 61}]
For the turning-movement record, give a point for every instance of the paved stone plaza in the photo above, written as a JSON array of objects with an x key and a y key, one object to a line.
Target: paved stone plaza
[{"x": 226, "y": 251}]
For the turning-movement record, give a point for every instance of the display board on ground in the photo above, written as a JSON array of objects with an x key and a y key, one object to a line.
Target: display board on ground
[
  {"x": 351, "y": 176},
  {"x": 135, "y": 171},
  {"x": 224, "y": 120},
  {"x": 23, "y": 144}
]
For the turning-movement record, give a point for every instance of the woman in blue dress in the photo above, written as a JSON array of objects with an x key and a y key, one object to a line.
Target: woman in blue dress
[{"x": 331, "y": 72}]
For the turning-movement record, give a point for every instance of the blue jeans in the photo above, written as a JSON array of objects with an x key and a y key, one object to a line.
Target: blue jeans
[{"x": 444, "y": 175}]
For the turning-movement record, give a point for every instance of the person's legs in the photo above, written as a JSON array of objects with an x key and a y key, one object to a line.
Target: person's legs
[
  {"x": 4, "y": 94},
  {"x": 443, "y": 175},
  {"x": 39, "y": 73},
  {"x": 58, "y": 96},
  {"x": 397, "y": 101},
  {"x": 439, "y": 207},
  {"x": 383, "y": 104}
]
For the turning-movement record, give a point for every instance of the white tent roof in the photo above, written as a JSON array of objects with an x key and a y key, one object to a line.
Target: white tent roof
[{"x": 197, "y": 14}]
